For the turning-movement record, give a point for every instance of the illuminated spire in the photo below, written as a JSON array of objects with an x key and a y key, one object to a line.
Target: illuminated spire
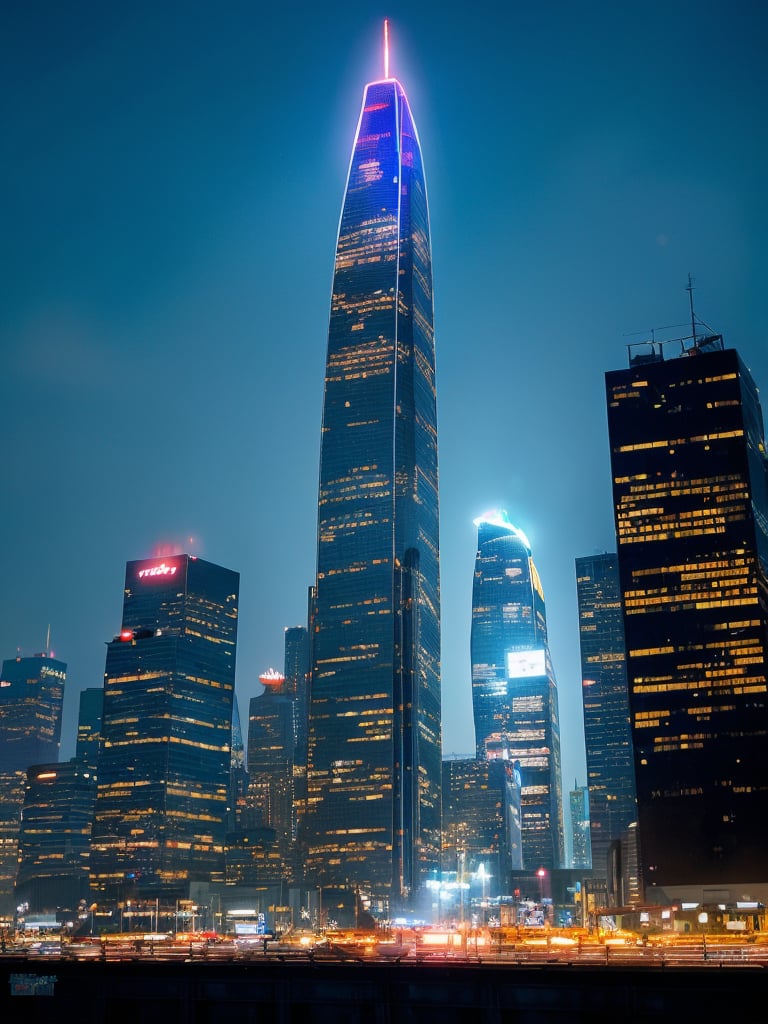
[{"x": 386, "y": 48}]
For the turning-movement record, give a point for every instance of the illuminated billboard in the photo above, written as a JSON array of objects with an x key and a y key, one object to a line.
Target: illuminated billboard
[
  {"x": 522, "y": 664},
  {"x": 158, "y": 570}
]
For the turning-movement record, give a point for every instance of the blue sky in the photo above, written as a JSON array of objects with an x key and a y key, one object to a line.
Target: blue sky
[{"x": 172, "y": 176}]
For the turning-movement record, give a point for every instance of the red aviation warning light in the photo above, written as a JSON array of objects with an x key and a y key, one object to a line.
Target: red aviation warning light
[{"x": 126, "y": 635}]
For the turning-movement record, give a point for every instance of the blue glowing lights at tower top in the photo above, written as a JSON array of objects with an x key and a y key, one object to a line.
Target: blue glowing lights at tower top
[{"x": 499, "y": 517}]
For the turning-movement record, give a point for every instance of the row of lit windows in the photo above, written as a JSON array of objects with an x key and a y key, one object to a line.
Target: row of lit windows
[
  {"x": 713, "y": 485},
  {"x": 650, "y": 534}
]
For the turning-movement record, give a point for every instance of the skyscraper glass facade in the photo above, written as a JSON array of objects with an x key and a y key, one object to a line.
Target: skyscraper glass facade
[
  {"x": 605, "y": 700},
  {"x": 690, "y": 495},
  {"x": 514, "y": 692},
  {"x": 373, "y": 809},
  {"x": 164, "y": 769}
]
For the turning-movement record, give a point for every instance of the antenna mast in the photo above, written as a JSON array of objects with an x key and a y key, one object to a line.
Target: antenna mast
[
  {"x": 386, "y": 48},
  {"x": 48, "y": 639},
  {"x": 689, "y": 289}
]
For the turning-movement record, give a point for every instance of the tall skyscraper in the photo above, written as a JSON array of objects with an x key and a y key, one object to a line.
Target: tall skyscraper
[
  {"x": 164, "y": 770},
  {"x": 514, "y": 692},
  {"x": 605, "y": 699},
  {"x": 690, "y": 496},
  {"x": 31, "y": 702},
  {"x": 373, "y": 810}
]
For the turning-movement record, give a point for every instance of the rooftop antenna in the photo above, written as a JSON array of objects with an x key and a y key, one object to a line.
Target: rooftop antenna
[
  {"x": 386, "y": 48},
  {"x": 689, "y": 289},
  {"x": 48, "y": 639}
]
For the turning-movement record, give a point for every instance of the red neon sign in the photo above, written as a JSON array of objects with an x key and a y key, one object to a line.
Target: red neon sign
[{"x": 158, "y": 570}]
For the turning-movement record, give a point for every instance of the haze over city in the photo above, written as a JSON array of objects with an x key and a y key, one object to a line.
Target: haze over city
[{"x": 173, "y": 178}]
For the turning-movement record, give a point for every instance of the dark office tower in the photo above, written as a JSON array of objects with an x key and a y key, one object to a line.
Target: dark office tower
[
  {"x": 690, "y": 495},
  {"x": 514, "y": 692},
  {"x": 271, "y": 746},
  {"x": 605, "y": 697},
  {"x": 373, "y": 814},
  {"x": 579, "y": 798},
  {"x": 89, "y": 725},
  {"x": 164, "y": 770},
  {"x": 55, "y": 835},
  {"x": 31, "y": 701}
]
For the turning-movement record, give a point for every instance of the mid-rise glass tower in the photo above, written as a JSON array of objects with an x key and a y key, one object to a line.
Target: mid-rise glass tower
[
  {"x": 166, "y": 732},
  {"x": 374, "y": 774},
  {"x": 514, "y": 691},
  {"x": 690, "y": 496},
  {"x": 605, "y": 700}
]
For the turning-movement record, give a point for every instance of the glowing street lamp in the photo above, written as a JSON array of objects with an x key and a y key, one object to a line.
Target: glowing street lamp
[{"x": 542, "y": 874}]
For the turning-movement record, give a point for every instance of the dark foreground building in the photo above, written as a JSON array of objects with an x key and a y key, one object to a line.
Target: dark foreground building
[
  {"x": 373, "y": 783},
  {"x": 690, "y": 494},
  {"x": 274, "y": 992}
]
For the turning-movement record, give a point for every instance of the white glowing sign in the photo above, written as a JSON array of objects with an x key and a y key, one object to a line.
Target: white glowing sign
[
  {"x": 158, "y": 570},
  {"x": 521, "y": 664}
]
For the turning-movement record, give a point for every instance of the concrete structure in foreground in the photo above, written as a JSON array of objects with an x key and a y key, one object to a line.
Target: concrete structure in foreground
[{"x": 452, "y": 992}]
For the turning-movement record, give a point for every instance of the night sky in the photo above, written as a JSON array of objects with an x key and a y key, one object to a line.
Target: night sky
[{"x": 172, "y": 177}]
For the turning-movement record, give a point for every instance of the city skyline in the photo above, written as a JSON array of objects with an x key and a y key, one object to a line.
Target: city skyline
[{"x": 579, "y": 167}]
